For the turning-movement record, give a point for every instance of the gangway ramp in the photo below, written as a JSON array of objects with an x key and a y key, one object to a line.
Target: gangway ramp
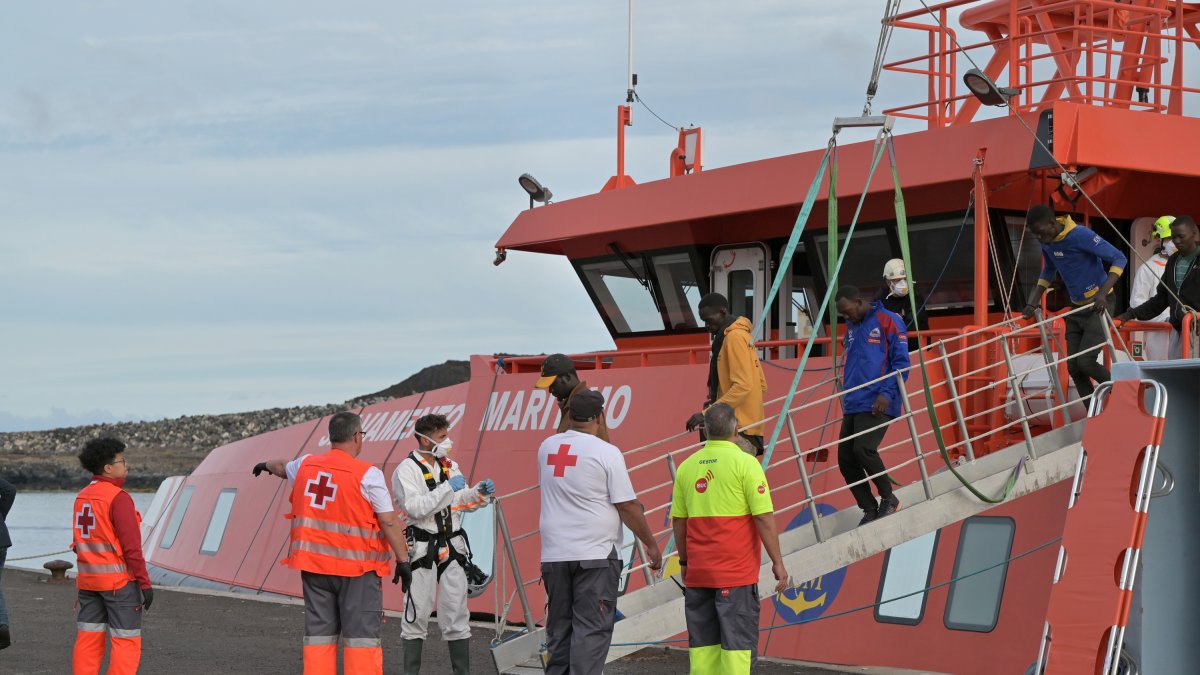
[{"x": 656, "y": 613}]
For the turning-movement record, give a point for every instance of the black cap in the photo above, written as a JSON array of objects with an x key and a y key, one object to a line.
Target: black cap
[
  {"x": 552, "y": 367},
  {"x": 586, "y": 405}
]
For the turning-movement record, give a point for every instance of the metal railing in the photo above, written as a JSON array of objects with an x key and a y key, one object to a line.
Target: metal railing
[
  {"x": 1125, "y": 54},
  {"x": 956, "y": 372}
]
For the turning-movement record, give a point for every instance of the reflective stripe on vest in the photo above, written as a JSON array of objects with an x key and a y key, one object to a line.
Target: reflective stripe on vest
[
  {"x": 335, "y": 552},
  {"x": 86, "y": 568},
  {"x": 334, "y": 529},
  {"x": 101, "y": 560},
  {"x": 338, "y": 528}
]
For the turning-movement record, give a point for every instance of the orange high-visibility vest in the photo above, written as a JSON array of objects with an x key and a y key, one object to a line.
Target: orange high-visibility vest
[
  {"x": 100, "y": 557},
  {"x": 334, "y": 529}
]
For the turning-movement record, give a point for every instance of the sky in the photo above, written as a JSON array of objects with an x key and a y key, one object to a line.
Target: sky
[{"x": 222, "y": 206}]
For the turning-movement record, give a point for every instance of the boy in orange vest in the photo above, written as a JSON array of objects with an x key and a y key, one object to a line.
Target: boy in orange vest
[{"x": 114, "y": 586}]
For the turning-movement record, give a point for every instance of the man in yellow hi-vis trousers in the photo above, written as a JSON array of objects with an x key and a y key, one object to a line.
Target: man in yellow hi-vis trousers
[{"x": 722, "y": 516}]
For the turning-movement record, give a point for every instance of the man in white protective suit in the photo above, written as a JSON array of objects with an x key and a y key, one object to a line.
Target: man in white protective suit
[{"x": 431, "y": 490}]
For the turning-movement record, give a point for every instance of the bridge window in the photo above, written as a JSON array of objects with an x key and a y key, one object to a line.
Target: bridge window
[
  {"x": 654, "y": 292},
  {"x": 869, "y": 250},
  {"x": 906, "y": 573},
  {"x": 974, "y": 602},
  {"x": 181, "y": 507},
  {"x": 216, "y": 526}
]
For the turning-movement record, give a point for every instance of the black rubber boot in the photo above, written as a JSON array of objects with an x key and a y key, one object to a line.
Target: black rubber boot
[
  {"x": 412, "y": 656},
  {"x": 460, "y": 656}
]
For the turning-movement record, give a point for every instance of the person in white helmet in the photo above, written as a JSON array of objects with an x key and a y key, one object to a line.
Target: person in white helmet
[
  {"x": 895, "y": 300},
  {"x": 1145, "y": 283},
  {"x": 429, "y": 488}
]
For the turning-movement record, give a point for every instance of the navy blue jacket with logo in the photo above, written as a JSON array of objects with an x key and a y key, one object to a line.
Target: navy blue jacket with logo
[{"x": 874, "y": 346}]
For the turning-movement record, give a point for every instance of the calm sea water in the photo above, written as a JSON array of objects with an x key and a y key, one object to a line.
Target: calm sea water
[{"x": 40, "y": 522}]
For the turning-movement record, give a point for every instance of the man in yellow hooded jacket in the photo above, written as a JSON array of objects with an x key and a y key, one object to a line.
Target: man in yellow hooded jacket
[{"x": 735, "y": 376}]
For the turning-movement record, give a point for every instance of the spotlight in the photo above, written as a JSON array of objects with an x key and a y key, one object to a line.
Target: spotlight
[
  {"x": 985, "y": 89},
  {"x": 537, "y": 191},
  {"x": 501, "y": 256}
]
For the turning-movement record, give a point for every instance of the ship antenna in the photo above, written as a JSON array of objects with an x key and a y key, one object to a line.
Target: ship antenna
[
  {"x": 631, "y": 77},
  {"x": 885, "y": 39}
]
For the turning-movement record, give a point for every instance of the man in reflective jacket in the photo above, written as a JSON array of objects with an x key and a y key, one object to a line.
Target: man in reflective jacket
[
  {"x": 114, "y": 586},
  {"x": 430, "y": 489},
  {"x": 876, "y": 345},
  {"x": 342, "y": 527}
]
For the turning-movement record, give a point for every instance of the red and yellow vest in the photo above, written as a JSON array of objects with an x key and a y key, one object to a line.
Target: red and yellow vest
[
  {"x": 334, "y": 529},
  {"x": 100, "y": 557}
]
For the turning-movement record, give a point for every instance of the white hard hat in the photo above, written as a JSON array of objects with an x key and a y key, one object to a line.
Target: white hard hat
[{"x": 894, "y": 269}]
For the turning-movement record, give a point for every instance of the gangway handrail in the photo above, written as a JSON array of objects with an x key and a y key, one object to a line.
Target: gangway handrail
[
  {"x": 908, "y": 415},
  {"x": 995, "y": 328}
]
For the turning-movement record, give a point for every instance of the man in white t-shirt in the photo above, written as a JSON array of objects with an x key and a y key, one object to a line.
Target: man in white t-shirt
[{"x": 586, "y": 496}]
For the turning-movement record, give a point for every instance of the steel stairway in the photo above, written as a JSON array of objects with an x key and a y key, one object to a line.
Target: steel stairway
[{"x": 656, "y": 612}]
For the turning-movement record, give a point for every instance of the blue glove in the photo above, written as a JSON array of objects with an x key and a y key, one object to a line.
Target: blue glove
[
  {"x": 457, "y": 483},
  {"x": 486, "y": 487}
]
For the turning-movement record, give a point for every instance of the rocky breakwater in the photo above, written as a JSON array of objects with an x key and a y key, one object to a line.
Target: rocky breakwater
[{"x": 47, "y": 460}]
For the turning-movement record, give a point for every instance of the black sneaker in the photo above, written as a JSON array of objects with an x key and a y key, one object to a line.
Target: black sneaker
[
  {"x": 868, "y": 516},
  {"x": 5, "y": 638},
  {"x": 888, "y": 506}
]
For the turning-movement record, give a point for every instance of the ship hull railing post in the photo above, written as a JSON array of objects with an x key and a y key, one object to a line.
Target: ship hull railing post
[
  {"x": 912, "y": 430},
  {"x": 1051, "y": 371},
  {"x": 804, "y": 479},
  {"x": 956, "y": 403},
  {"x": 1019, "y": 398},
  {"x": 502, "y": 523}
]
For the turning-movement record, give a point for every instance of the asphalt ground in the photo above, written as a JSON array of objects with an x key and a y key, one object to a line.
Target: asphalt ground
[{"x": 199, "y": 633}]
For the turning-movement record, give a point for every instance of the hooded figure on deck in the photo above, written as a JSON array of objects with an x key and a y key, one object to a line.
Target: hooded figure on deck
[{"x": 429, "y": 487}]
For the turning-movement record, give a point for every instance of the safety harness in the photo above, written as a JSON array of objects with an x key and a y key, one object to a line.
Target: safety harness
[{"x": 438, "y": 541}]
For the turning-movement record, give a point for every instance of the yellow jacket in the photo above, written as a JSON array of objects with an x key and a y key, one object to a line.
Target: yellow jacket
[{"x": 741, "y": 382}]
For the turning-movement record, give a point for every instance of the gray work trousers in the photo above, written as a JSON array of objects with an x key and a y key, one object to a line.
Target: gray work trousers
[
  {"x": 350, "y": 607},
  {"x": 581, "y": 612},
  {"x": 722, "y": 629}
]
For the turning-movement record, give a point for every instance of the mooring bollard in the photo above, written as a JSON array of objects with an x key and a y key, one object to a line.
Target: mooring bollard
[{"x": 58, "y": 570}]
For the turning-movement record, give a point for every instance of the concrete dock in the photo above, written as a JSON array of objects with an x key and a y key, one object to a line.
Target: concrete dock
[{"x": 199, "y": 632}]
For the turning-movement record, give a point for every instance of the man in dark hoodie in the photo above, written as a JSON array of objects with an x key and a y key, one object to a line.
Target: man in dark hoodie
[
  {"x": 735, "y": 376},
  {"x": 1180, "y": 281}
]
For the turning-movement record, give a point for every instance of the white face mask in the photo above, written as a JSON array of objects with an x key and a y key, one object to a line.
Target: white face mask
[
  {"x": 899, "y": 287},
  {"x": 441, "y": 449},
  {"x": 1169, "y": 248}
]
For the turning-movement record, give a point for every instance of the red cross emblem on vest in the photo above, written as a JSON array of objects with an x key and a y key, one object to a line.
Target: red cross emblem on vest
[
  {"x": 562, "y": 459},
  {"x": 86, "y": 521},
  {"x": 321, "y": 490}
]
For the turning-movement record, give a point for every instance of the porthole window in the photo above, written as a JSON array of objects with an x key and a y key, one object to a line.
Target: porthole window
[
  {"x": 906, "y": 572},
  {"x": 216, "y": 526},
  {"x": 181, "y": 507},
  {"x": 974, "y": 602}
]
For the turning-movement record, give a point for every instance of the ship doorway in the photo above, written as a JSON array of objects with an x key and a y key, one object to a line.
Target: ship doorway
[{"x": 739, "y": 272}]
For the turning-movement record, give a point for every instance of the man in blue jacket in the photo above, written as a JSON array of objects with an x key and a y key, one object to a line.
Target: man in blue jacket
[
  {"x": 876, "y": 345},
  {"x": 1089, "y": 267}
]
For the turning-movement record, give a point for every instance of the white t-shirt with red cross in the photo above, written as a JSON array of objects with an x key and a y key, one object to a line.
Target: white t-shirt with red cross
[
  {"x": 373, "y": 486},
  {"x": 581, "y": 477}
]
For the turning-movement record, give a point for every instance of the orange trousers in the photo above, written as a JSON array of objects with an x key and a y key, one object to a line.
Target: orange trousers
[{"x": 109, "y": 613}]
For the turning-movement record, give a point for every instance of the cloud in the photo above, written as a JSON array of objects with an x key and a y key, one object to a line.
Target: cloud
[{"x": 275, "y": 203}]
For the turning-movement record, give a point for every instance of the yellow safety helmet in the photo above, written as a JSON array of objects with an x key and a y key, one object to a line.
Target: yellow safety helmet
[{"x": 1162, "y": 227}]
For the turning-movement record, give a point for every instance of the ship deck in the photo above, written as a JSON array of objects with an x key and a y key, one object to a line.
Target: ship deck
[{"x": 195, "y": 632}]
